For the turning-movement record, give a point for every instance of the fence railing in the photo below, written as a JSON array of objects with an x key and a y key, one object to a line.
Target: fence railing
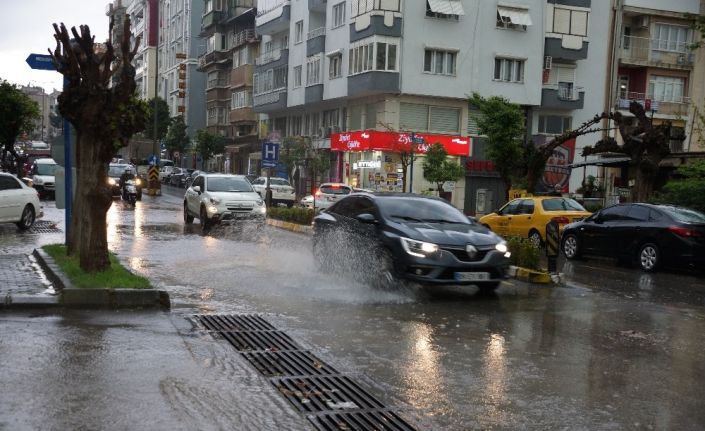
[{"x": 320, "y": 31}]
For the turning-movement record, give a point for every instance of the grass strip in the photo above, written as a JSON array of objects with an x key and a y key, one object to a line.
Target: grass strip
[{"x": 116, "y": 277}]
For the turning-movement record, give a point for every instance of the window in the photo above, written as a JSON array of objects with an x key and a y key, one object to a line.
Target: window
[
  {"x": 242, "y": 99},
  {"x": 242, "y": 57},
  {"x": 313, "y": 70},
  {"x": 444, "y": 9},
  {"x": 513, "y": 18},
  {"x": 670, "y": 38},
  {"x": 360, "y": 7},
  {"x": 508, "y": 70},
  {"x": 439, "y": 62},
  {"x": 299, "y": 32},
  {"x": 334, "y": 66},
  {"x": 338, "y": 15},
  {"x": 414, "y": 116},
  {"x": 369, "y": 56},
  {"x": 9, "y": 183},
  {"x": 553, "y": 124},
  {"x": 297, "y": 76},
  {"x": 666, "y": 88},
  {"x": 295, "y": 126},
  {"x": 570, "y": 21}
]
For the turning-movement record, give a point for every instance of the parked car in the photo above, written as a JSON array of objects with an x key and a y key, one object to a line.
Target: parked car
[
  {"x": 527, "y": 217},
  {"x": 326, "y": 196},
  {"x": 216, "y": 198},
  {"x": 282, "y": 191},
  {"x": 192, "y": 174},
  {"x": 165, "y": 173},
  {"x": 648, "y": 235},
  {"x": 42, "y": 175},
  {"x": 19, "y": 203},
  {"x": 115, "y": 170},
  {"x": 178, "y": 177},
  {"x": 408, "y": 236}
]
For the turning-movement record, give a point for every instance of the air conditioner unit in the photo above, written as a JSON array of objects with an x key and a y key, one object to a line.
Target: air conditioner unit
[
  {"x": 547, "y": 62},
  {"x": 321, "y": 132},
  {"x": 642, "y": 21}
]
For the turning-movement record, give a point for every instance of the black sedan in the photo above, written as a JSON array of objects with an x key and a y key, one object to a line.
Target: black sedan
[
  {"x": 399, "y": 235},
  {"x": 648, "y": 235}
]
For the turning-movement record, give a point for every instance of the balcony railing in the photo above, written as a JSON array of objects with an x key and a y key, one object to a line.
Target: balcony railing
[
  {"x": 320, "y": 31},
  {"x": 269, "y": 97},
  {"x": 644, "y": 49},
  {"x": 675, "y": 105},
  {"x": 567, "y": 93},
  {"x": 244, "y": 36},
  {"x": 218, "y": 82},
  {"x": 270, "y": 56},
  {"x": 271, "y": 6}
]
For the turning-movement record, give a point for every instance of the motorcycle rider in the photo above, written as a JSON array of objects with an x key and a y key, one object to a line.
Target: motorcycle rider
[{"x": 128, "y": 174}]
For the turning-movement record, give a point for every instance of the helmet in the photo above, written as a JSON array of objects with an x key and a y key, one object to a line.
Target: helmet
[{"x": 129, "y": 171}]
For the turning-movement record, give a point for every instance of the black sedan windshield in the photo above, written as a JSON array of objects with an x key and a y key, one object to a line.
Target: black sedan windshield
[
  {"x": 422, "y": 210},
  {"x": 227, "y": 184}
]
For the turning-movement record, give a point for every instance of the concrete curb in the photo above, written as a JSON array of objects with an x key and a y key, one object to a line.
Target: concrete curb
[
  {"x": 97, "y": 298},
  {"x": 294, "y": 227}
]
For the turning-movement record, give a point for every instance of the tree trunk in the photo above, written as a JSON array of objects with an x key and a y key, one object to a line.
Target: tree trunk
[{"x": 644, "y": 185}]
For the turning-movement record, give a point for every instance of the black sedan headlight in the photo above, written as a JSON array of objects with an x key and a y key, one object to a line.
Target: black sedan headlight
[{"x": 418, "y": 248}]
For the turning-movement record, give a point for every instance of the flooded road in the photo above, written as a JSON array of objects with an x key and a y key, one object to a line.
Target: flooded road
[{"x": 611, "y": 350}]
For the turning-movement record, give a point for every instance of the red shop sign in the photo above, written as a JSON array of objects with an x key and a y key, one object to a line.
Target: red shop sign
[{"x": 372, "y": 140}]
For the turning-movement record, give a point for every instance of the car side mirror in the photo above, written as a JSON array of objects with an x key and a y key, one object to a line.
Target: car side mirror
[
  {"x": 197, "y": 189},
  {"x": 366, "y": 218}
]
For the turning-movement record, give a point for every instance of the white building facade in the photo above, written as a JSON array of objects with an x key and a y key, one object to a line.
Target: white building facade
[{"x": 360, "y": 76}]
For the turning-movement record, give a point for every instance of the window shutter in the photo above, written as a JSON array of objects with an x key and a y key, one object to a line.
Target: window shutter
[
  {"x": 565, "y": 74},
  {"x": 413, "y": 116},
  {"x": 445, "y": 119},
  {"x": 473, "y": 129}
]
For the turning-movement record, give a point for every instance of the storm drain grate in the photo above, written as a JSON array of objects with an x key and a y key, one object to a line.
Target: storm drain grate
[
  {"x": 291, "y": 363},
  {"x": 325, "y": 393},
  {"x": 240, "y": 322},
  {"x": 259, "y": 340},
  {"x": 365, "y": 420},
  {"x": 44, "y": 226}
]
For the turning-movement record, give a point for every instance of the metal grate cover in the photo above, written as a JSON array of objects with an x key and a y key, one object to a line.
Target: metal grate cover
[
  {"x": 367, "y": 420},
  {"x": 246, "y": 341},
  {"x": 234, "y": 322},
  {"x": 44, "y": 226},
  {"x": 289, "y": 363},
  {"x": 325, "y": 393}
]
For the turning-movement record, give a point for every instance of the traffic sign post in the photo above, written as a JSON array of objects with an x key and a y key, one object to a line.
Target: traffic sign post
[
  {"x": 270, "y": 158},
  {"x": 45, "y": 62}
]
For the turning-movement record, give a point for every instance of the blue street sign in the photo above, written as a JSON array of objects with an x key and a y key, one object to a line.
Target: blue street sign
[
  {"x": 153, "y": 160},
  {"x": 270, "y": 154},
  {"x": 40, "y": 61}
]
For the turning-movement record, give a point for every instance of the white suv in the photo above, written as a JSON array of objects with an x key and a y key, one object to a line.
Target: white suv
[
  {"x": 215, "y": 198},
  {"x": 282, "y": 192},
  {"x": 330, "y": 193}
]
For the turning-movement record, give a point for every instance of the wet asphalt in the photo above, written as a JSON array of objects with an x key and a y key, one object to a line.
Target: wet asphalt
[{"x": 611, "y": 349}]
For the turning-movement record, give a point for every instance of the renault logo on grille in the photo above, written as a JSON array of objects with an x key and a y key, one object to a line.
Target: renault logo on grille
[{"x": 471, "y": 250}]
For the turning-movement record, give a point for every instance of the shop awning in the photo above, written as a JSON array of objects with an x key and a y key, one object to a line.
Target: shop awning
[
  {"x": 514, "y": 15},
  {"x": 447, "y": 7}
]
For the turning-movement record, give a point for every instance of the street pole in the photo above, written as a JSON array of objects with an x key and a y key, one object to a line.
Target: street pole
[{"x": 68, "y": 175}]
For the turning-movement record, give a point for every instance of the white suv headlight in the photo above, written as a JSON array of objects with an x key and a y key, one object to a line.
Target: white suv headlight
[
  {"x": 501, "y": 247},
  {"x": 38, "y": 181},
  {"x": 418, "y": 248}
]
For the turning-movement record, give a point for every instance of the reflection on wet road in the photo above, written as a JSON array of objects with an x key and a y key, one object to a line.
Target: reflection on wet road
[{"x": 613, "y": 349}]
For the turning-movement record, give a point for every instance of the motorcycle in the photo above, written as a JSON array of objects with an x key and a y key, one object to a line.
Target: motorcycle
[{"x": 129, "y": 192}]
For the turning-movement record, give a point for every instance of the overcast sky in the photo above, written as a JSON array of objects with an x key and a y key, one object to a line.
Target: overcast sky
[{"x": 26, "y": 27}]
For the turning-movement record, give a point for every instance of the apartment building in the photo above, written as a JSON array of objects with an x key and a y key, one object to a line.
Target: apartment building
[
  {"x": 178, "y": 49},
  {"x": 228, "y": 30},
  {"x": 43, "y": 129},
  {"x": 359, "y": 77},
  {"x": 144, "y": 15}
]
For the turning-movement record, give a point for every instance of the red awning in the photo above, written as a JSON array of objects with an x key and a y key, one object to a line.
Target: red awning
[{"x": 372, "y": 140}]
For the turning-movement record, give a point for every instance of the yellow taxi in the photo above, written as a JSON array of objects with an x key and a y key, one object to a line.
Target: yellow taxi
[{"x": 527, "y": 217}]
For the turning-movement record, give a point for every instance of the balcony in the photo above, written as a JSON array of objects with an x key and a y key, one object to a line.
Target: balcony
[
  {"x": 374, "y": 82},
  {"x": 242, "y": 76},
  {"x": 316, "y": 41},
  {"x": 676, "y": 107},
  {"x": 317, "y": 5},
  {"x": 643, "y": 51},
  {"x": 271, "y": 101},
  {"x": 275, "y": 19},
  {"x": 243, "y": 37},
  {"x": 215, "y": 94},
  {"x": 211, "y": 18},
  {"x": 243, "y": 115},
  {"x": 213, "y": 57},
  {"x": 553, "y": 47},
  {"x": 562, "y": 97},
  {"x": 274, "y": 58}
]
